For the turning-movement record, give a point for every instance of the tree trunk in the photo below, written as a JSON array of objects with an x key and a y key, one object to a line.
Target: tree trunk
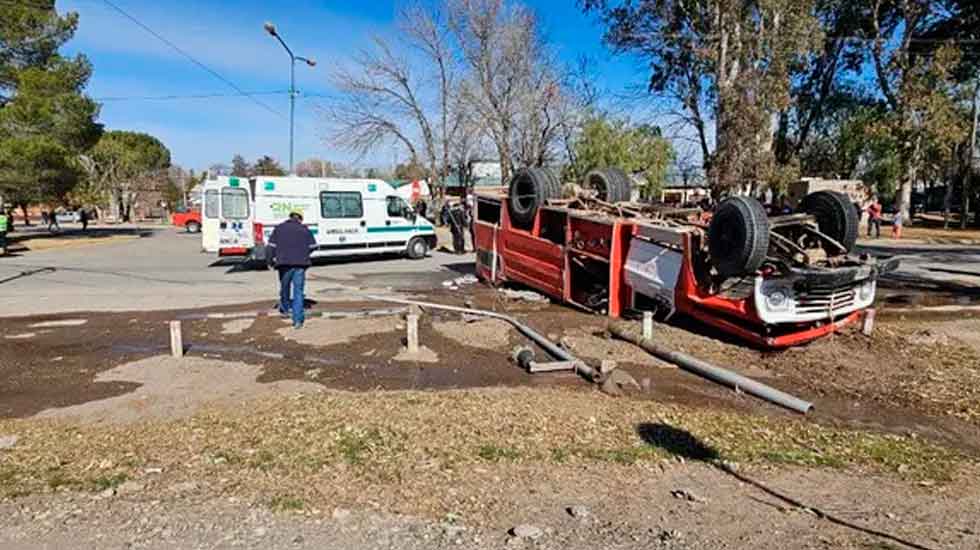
[
  {"x": 971, "y": 156},
  {"x": 27, "y": 217},
  {"x": 948, "y": 203},
  {"x": 911, "y": 173},
  {"x": 115, "y": 202}
]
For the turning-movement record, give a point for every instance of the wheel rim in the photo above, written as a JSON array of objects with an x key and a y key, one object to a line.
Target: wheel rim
[{"x": 525, "y": 193}]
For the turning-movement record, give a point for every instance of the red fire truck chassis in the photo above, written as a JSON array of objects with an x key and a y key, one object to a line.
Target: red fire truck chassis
[{"x": 619, "y": 258}]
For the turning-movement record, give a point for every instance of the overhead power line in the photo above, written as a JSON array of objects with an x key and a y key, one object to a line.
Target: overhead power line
[
  {"x": 194, "y": 60},
  {"x": 184, "y": 96}
]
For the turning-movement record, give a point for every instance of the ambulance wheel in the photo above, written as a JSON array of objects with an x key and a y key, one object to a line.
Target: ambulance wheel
[
  {"x": 193, "y": 227},
  {"x": 836, "y": 216},
  {"x": 738, "y": 237},
  {"x": 418, "y": 247},
  {"x": 610, "y": 184},
  {"x": 528, "y": 191}
]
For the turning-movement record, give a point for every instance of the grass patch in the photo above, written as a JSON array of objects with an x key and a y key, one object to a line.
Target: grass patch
[
  {"x": 361, "y": 446},
  {"x": 284, "y": 503},
  {"x": 112, "y": 481},
  {"x": 493, "y": 453},
  {"x": 320, "y": 449}
]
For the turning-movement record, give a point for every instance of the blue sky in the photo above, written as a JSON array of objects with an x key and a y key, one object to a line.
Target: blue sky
[{"x": 228, "y": 37}]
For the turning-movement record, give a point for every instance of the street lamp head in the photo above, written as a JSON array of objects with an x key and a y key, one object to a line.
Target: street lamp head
[
  {"x": 311, "y": 62},
  {"x": 270, "y": 28}
]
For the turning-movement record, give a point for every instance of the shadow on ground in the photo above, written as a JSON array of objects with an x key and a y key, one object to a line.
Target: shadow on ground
[
  {"x": 36, "y": 234},
  {"x": 681, "y": 443}
]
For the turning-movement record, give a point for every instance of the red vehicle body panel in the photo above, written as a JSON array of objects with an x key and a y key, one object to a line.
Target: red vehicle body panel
[
  {"x": 181, "y": 219},
  {"x": 546, "y": 262}
]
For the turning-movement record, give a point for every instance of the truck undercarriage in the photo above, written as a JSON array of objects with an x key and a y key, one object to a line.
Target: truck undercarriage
[{"x": 772, "y": 281}]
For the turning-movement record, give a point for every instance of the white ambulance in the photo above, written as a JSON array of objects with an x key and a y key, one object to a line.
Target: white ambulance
[{"x": 346, "y": 216}]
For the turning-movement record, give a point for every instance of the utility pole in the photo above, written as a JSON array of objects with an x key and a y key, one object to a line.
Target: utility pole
[{"x": 271, "y": 29}]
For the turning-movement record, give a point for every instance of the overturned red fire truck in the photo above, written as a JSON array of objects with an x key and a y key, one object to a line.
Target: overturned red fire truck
[{"x": 773, "y": 281}]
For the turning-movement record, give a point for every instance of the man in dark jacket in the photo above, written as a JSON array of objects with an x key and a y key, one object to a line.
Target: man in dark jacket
[{"x": 291, "y": 243}]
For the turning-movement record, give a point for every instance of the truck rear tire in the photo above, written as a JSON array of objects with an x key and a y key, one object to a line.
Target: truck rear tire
[
  {"x": 610, "y": 184},
  {"x": 528, "y": 191},
  {"x": 836, "y": 216},
  {"x": 418, "y": 247},
  {"x": 738, "y": 236}
]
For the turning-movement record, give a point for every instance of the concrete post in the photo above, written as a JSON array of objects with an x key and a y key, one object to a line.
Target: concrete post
[
  {"x": 647, "y": 325},
  {"x": 412, "y": 328},
  {"x": 176, "y": 339}
]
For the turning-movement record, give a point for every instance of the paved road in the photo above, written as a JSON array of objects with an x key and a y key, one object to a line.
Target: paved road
[
  {"x": 166, "y": 270},
  {"x": 950, "y": 268}
]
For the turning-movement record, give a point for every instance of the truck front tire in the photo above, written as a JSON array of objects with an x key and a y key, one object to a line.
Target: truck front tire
[
  {"x": 528, "y": 191},
  {"x": 738, "y": 237},
  {"x": 836, "y": 216},
  {"x": 610, "y": 184},
  {"x": 193, "y": 227}
]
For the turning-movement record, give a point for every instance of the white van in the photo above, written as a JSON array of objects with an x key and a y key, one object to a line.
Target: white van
[{"x": 346, "y": 216}]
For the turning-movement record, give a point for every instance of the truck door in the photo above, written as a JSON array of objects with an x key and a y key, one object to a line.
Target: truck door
[{"x": 209, "y": 220}]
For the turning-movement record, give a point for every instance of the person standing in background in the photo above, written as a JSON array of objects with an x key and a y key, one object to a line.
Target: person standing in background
[
  {"x": 874, "y": 217},
  {"x": 4, "y": 222},
  {"x": 897, "y": 225}
]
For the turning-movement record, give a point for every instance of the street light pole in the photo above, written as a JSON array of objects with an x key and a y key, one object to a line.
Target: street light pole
[{"x": 271, "y": 29}]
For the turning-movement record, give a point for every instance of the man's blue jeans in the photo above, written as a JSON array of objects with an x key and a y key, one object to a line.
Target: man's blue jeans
[{"x": 292, "y": 281}]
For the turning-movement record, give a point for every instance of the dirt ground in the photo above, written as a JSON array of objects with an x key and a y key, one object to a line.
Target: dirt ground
[{"x": 278, "y": 429}]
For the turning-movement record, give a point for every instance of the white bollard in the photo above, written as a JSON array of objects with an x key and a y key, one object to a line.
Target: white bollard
[
  {"x": 412, "y": 328},
  {"x": 869, "y": 322},
  {"x": 647, "y": 325},
  {"x": 176, "y": 339}
]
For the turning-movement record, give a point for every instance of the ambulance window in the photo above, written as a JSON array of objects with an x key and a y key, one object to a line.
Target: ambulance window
[
  {"x": 234, "y": 203},
  {"x": 397, "y": 208},
  {"x": 341, "y": 204},
  {"x": 211, "y": 203}
]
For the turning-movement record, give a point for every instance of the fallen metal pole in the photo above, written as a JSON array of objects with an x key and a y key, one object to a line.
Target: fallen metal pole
[
  {"x": 716, "y": 374},
  {"x": 547, "y": 345}
]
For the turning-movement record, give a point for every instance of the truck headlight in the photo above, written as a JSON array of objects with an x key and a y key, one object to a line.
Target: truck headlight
[
  {"x": 867, "y": 291},
  {"x": 777, "y": 299}
]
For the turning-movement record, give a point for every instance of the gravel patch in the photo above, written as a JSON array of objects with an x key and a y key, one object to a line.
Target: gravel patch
[
  {"x": 174, "y": 388},
  {"x": 237, "y": 326},
  {"x": 491, "y": 334},
  {"x": 330, "y": 332}
]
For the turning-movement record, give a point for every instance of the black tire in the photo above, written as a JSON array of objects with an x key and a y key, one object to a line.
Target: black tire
[
  {"x": 528, "y": 190},
  {"x": 738, "y": 237},
  {"x": 611, "y": 184},
  {"x": 836, "y": 216},
  {"x": 193, "y": 227},
  {"x": 418, "y": 247}
]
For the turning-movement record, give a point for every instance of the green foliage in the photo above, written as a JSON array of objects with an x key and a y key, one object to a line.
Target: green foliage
[
  {"x": 30, "y": 35},
  {"x": 266, "y": 166},
  {"x": 126, "y": 157},
  {"x": 607, "y": 142},
  {"x": 45, "y": 120},
  {"x": 725, "y": 62}
]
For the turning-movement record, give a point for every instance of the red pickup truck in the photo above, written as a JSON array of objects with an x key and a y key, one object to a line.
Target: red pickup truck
[{"x": 188, "y": 219}]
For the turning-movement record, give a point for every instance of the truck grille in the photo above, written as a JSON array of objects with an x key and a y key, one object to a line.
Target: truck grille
[{"x": 831, "y": 300}]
